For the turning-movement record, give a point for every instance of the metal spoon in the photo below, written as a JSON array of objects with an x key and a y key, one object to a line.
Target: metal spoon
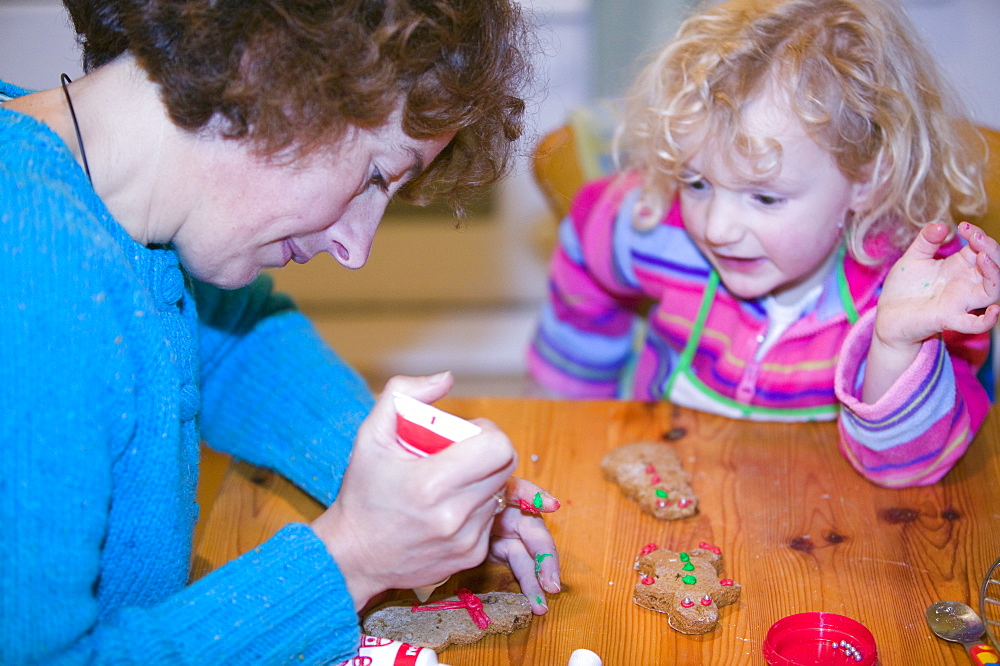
[{"x": 957, "y": 622}]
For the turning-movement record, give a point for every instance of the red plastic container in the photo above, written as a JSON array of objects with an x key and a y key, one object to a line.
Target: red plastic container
[{"x": 819, "y": 639}]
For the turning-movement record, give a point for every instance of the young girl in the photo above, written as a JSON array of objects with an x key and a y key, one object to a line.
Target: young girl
[{"x": 782, "y": 155}]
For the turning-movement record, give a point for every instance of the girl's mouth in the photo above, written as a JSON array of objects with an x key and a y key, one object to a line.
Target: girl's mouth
[{"x": 738, "y": 264}]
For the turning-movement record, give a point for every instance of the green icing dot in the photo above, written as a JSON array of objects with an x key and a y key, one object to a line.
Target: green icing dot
[
  {"x": 538, "y": 501},
  {"x": 660, "y": 492},
  {"x": 689, "y": 580},
  {"x": 688, "y": 567},
  {"x": 685, "y": 557}
]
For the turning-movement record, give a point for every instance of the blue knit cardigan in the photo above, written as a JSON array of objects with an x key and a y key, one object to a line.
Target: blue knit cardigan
[{"x": 113, "y": 366}]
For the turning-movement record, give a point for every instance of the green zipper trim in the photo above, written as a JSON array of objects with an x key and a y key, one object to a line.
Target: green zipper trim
[
  {"x": 846, "y": 299},
  {"x": 684, "y": 362},
  {"x": 746, "y": 410},
  {"x": 696, "y": 331}
]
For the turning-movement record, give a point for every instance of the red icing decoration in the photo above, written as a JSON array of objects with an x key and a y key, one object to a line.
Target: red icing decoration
[
  {"x": 650, "y": 470},
  {"x": 466, "y": 600},
  {"x": 648, "y": 580},
  {"x": 663, "y": 503},
  {"x": 648, "y": 548},
  {"x": 683, "y": 502},
  {"x": 529, "y": 508},
  {"x": 708, "y": 546},
  {"x": 725, "y": 581},
  {"x": 687, "y": 603},
  {"x": 706, "y": 600},
  {"x": 655, "y": 479}
]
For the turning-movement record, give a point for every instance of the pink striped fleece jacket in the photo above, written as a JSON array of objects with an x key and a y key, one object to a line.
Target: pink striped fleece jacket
[{"x": 697, "y": 345}]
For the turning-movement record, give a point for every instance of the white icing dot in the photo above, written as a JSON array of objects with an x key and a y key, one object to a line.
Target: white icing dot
[{"x": 584, "y": 657}]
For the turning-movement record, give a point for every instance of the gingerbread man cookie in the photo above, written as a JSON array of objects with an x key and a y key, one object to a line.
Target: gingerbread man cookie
[
  {"x": 458, "y": 620},
  {"x": 686, "y": 586},
  {"x": 651, "y": 474}
]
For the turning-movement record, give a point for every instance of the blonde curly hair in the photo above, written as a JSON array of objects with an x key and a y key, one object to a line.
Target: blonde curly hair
[{"x": 857, "y": 76}]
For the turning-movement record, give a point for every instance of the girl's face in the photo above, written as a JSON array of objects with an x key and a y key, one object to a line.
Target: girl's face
[
  {"x": 773, "y": 235},
  {"x": 258, "y": 214}
]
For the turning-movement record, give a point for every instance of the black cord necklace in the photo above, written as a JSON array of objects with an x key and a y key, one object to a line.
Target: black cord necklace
[{"x": 79, "y": 137}]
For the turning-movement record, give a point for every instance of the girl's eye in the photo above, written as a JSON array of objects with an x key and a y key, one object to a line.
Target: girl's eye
[
  {"x": 696, "y": 184},
  {"x": 378, "y": 180},
  {"x": 768, "y": 199}
]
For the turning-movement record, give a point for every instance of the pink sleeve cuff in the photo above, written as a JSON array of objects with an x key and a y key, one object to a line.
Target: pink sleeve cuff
[{"x": 849, "y": 377}]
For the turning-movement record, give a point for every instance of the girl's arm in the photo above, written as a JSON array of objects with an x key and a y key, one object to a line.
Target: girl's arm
[
  {"x": 907, "y": 372},
  {"x": 584, "y": 338}
]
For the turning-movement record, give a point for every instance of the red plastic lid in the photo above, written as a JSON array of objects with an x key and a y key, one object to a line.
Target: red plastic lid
[{"x": 819, "y": 639}]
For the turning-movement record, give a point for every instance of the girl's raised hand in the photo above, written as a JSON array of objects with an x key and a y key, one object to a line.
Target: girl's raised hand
[{"x": 924, "y": 295}]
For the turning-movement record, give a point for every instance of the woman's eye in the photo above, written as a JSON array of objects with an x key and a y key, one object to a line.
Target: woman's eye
[
  {"x": 378, "y": 180},
  {"x": 697, "y": 184}
]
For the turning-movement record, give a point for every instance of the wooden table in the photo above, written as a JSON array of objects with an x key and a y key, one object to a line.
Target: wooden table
[{"x": 799, "y": 529}]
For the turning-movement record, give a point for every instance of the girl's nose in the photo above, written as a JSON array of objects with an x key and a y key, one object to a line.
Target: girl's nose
[{"x": 722, "y": 226}]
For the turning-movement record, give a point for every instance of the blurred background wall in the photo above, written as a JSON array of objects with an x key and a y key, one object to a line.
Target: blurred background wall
[{"x": 438, "y": 294}]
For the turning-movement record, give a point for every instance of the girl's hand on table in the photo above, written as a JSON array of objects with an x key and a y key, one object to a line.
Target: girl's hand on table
[
  {"x": 924, "y": 296},
  {"x": 400, "y": 521}
]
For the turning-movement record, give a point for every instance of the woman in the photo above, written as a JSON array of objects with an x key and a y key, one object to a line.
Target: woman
[{"x": 209, "y": 140}]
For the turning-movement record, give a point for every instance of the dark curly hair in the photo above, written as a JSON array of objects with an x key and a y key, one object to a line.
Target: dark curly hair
[{"x": 291, "y": 76}]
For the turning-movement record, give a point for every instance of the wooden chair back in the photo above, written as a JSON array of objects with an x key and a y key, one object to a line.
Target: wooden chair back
[{"x": 990, "y": 221}]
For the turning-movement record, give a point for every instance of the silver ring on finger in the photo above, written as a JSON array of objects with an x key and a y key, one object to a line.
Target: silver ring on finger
[{"x": 501, "y": 502}]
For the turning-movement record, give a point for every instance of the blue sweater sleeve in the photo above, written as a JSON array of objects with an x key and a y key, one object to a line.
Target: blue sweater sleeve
[
  {"x": 273, "y": 392},
  {"x": 284, "y": 602}
]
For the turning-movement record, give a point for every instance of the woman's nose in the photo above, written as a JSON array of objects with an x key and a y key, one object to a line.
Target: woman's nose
[{"x": 351, "y": 239}]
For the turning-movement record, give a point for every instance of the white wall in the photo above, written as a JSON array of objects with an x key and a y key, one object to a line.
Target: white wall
[
  {"x": 36, "y": 44},
  {"x": 964, "y": 36}
]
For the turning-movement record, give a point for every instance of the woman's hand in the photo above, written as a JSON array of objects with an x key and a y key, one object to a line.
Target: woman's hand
[
  {"x": 522, "y": 541},
  {"x": 924, "y": 296},
  {"x": 400, "y": 521}
]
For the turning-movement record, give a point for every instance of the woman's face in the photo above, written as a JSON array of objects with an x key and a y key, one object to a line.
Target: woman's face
[{"x": 258, "y": 214}]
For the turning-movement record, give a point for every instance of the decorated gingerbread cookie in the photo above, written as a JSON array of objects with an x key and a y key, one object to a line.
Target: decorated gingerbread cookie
[
  {"x": 458, "y": 620},
  {"x": 685, "y": 585},
  {"x": 651, "y": 474}
]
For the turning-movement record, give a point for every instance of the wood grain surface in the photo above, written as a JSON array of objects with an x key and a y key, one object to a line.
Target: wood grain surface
[{"x": 799, "y": 530}]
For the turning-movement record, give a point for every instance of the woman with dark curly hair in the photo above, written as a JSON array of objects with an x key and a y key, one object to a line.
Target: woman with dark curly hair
[{"x": 209, "y": 140}]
